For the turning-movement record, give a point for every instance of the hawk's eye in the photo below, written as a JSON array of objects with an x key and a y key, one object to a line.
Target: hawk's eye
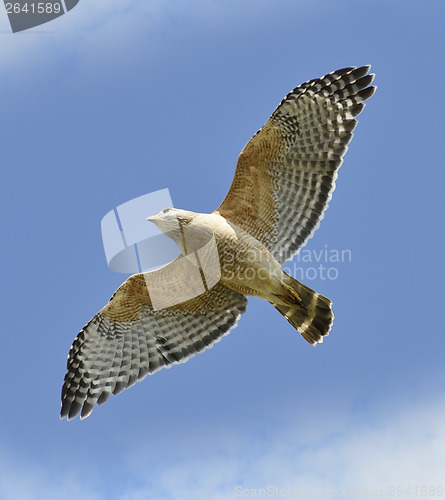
[{"x": 166, "y": 210}]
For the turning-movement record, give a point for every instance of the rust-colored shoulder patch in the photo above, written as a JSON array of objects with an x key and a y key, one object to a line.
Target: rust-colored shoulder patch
[
  {"x": 128, "y": 300},
  {"x": 249, "y": 202}
]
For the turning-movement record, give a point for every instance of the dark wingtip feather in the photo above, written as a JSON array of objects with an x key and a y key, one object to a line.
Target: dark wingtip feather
[
  {"x": 343, "y": 71},
  {"x": 365, "y": 67},
  {"x": 87, "y": 409},
  {"x": 364, "y": 81},
  {"x": 74, "y": 409},
  {"x": 368, "y": 92}
]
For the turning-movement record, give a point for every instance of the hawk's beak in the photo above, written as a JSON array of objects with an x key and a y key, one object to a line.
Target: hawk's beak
[{"x": 152, "y": 218}]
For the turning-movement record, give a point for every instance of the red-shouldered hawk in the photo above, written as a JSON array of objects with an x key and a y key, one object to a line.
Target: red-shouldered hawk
[{"x": 283, "y": 182}]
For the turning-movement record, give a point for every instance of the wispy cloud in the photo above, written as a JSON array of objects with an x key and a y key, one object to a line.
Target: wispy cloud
[
  {"x": 359, "y": 458},
  {"x": 95, "y": 34},
  {"x": 354, "y": 456},
  {"x": 88, "y": 28},
  {"x": 26, "y": 479}
]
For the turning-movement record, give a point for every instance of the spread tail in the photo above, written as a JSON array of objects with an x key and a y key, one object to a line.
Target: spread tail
[{"x": 310, "y": 314}]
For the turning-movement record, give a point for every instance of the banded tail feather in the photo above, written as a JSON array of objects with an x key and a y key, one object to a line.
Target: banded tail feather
[{"x": 313, "y": 317}]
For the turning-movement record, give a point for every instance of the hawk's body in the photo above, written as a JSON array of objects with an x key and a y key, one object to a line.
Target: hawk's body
[
  {"x": 244, "y": 264},
  {"x": 238, "y": 252},
  {"x": 283, "y": 182}
]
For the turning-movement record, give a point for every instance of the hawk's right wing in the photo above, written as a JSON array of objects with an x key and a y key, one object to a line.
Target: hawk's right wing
[
  {"x": 132, "y": 337},
  {"x": 286, "y": 173}
]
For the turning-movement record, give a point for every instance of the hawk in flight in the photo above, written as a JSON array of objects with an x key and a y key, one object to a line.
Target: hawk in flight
[{"x": 283, "y": 182}]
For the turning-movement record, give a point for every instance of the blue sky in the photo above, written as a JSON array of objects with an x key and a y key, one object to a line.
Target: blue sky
[{"x": 118, "y": 99}]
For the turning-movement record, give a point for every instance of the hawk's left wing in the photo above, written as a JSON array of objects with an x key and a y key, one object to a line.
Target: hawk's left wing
[
  {"x": 286, "y": 173},
  {"x": 130, "y": 338}
]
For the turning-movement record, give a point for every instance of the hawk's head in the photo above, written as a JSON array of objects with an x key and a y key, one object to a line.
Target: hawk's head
[
  {"x": 171, "y": 219},
  {"x": 174, "y": 222}
]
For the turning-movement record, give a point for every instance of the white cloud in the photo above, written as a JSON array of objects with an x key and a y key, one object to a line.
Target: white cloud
[
  {"x": 84, "y": 30},
  {"x": 27, "y": 480},
  {"x": 96, "y": 34},
  {"x": 403, "y": 449}
]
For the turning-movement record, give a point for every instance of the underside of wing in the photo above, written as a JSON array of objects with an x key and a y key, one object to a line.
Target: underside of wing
[
  {"x": 131, "y": 338},
  {"x": 286, "y": 173}
]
